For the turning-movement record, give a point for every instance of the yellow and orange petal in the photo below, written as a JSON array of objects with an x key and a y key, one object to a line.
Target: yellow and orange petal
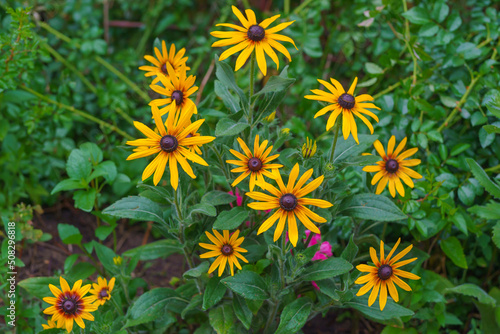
[
  {"x": 226, "y": 248},
  {"x": 102, "y": 290},
  {"x": 175, "y": 59}
]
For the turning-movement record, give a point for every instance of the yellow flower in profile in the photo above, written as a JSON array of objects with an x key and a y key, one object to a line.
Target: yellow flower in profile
[
  {"x": 177, "y": 90},
  {"x": 291, "y": 204},
  {"x": 393, "y": 168},
  {"x": 345, "y": 104},
  {"x": 384, "y": 274},
  {"x": 226, "y": 248},
  {"x": 102, "y": 290},
  {"x": 309, "y": 148},
  {"x": 70, "y": 305},
  {"x": 271, "y": 117},
  {"x": 171, "y": 145},
  {"x": 118, "y": 260},
  {"x": 253, "y": 36},
  {"x": 256, "y": 164},
  {"x": 163, "y": 58},
  {"x": 50, "y": 324}
]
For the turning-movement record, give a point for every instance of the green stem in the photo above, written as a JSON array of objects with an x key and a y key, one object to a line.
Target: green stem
[
  {"x": 407, "y": 42},
  {"x": 252, "y": 78},
  {"x": 492, "y": 169},
  {"x": 79, "y": 113},
  {"x": 302, "y": 6},
  {"x": 113, "y": 301},
  {"x": 335, "y": 137},
  {"x": 287, "y": 7},
  {"x": 125, "y": 290}
]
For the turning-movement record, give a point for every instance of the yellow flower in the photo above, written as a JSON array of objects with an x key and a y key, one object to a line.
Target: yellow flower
[
  {"x": 384, "y": 275},
  {"x": 255, "y": 164},
  {"x": 253, "y": 36},
  {"x": 309, "y": 148},
  {"x": 176, "y": 60},
  {"x": 102, "y": 290},
  {"x": 345, "y": 104},
  {"x": 226, "y": 248},
  {"x": 50, "y": 324},
  {"x": 290, "y": 203},
  {"x": 285, "y": 131},
  {"x": 70, "y": 304},
  {"x": 170, "y": 145},
  {"x": 393, "y": 168},
  {"x": 177, "y": 90},
  {"x": 118, "y": 260},
  {"x": 271, "y": 117}
]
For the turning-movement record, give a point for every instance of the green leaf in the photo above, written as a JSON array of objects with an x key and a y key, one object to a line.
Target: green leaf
[
  {"x": 391, "y": 310},
  {"x": 225, "y": 74},
  {"x": 372, "y": 207},
  {"x": 489, "y": 211},
  {"x": 247, "y": 284},
  {"x": 228, "y": 220},
  {"x": 39, "y": 286},
  {"x": 93, "y": 151},
  {"x": 459, "y": 148},
  {"x": 453, "y": 249},
  {"x": 373, "y": 68},
  {"x": 105, "y": 256},
  {"x": 485, "y": 138},
  {"x": 230, "y": 102},
  {"x": 440, "y": 11},
  {"x": 348, "y": 148},
  {"x": 194, "y": 304},
  {"x": 78, "y": 165},
  {"x": 214, "y": 292},
  {"x": 155, "y": 250},
  {"x": 417, "y": 15},
  {"x": 275, "y": 84},
  {"x": 228, "y": 127},
  {"x": 135, "y": 207},
  {"x": 435, "y": 135},
  {"x": 217, "y": 197},
  {"x": 294, "y": 316},
  {"x": 242, "y": 311},
  {"x": 222, "y": 319},
  {"x": 155, "y": 301},
  {"x": 496, "y": 234},
  {"x": 69, "y": 234},
  {"x": 349, "y": 253},
  {"x": 204, "y": 209},
  {"x": 483, "y": 178},
  {"x": 197, "y": 271},
  {"x": 102, "y": 232},
  {"x": 82, "y": 270},
  {"x": 85, "y": 199},
  {"x": 107, "y": 169},
  {"x": 331, "y": 267},
  {"x": 459, "y": 221},
  {"x": 491, "y": 129},
  {"x": 472, "y": 290},
  {"x": 68, "y": 184}
]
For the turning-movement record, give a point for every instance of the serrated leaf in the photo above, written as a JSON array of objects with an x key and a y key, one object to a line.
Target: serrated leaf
[
  {"x": 247, "y": 284},
  {"x": 228, "y": 220},
  {"x": 294, "y": 316},
  {"x": 136, "y": 207},
  {"x": 483, "y": 178}
]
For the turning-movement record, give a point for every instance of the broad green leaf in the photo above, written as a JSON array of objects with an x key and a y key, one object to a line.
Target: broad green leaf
[
  {"x": 348, "y": 148},
  {"x": 69, "y": 234},
  {"x": 39, "y": 286},
  {"x": 472, "y": 290},
  {"x": 82, "y": 270},
  {"x": 349, "y": 253},
  {"x": 294, "y": 316},
  {"x": 459, "y": 148},
  {"x": 242, "y": 311},
  {"x": 228, "y": 220},
  {"x": 228, "y": 127},
  {"x": 489, "y": 211},
  {"x": 440, "y": 11},
  {"x": 93, "y": 151},
  {"x": 417, "y": 15},
  {"x": 222, "y": 319},
  {"x": 154, "y": 250},
  {"x": 230, "y": 102},
  {"x": 453, "y": 249},
  {"x": 225, "y": 74},
  {"x": 85, "y": 199},
  {"x": 391, "y": 310},
  {"x": 197, "y": 271},
  {"x": 275, "y": 84},
  {"x": 204, "y": 209},
  {"x": 496, "y": 234},
  {"x": 135, "y": 207},
  {"x": 217, "y": 197},
  {"x": 271, "y": 100},
  {"x": 491, "y": 129},
  {"x": 372, "y": 207},
  {"x": 69, "y": 184},
  {"x": 331, "y": 267},
  {"x": 155, "y": 301},
  {"x": 214, "y": 292},
  {"x": 373, "y": 68},
  {"x": 103, "y": 231},
  {"x": 484, "y": 180},
  {"x": 78, "y": 165},
  {"x": 105, "y": 256},
  {"x": 106, "y": 169},
  {"x": 247, "y": 284},
  {"x": 194, "y": 303},
  {"x": 459, "y": 221}
]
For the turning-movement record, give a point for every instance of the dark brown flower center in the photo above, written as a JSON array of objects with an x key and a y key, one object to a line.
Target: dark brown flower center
[
  {"x": 169, "y": 143},
  {"x": 69, "y": 306},
  {"x": 189, "y": 135},
  {"x": 254, "y": 164},
  {"x": 164, "y": 68},
  {"x": 346, "y": 101},
  {"x": 391, "y": 166},
  {"x": 177, "y": 97},
  {"x": 227, "y": 250},
  {"x": 384, "y": 272},
  {"x": 256, "y": 33},
  {"x": 288, "y": 202},
  {"x": 103, "y": 293}
]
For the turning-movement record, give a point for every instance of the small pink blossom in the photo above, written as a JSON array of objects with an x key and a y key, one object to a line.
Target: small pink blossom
[{"x": 324, "y": 252}]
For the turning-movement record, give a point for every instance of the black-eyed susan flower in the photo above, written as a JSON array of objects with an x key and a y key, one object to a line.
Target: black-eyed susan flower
[
  {"x": 70, "y": 305},
  {"x": 309, "y": 148},
  {"x": 253, "y": 36},
  {"x": 384, "y": 274},
  {"x": 345, "y": 104},
  {"x": 393, "y": 168},
  {"x": 177, "y": 88},
  {"x": 175, "y": 59},
  {"x": 227, "y": 250},
  {"x": 291, "y": 204},
  {"x": 256, "y": 164},
  {"x": 50, "y": 324},
  {"x": 102, "y": 290},
  {"x": 170, "y": 146}
]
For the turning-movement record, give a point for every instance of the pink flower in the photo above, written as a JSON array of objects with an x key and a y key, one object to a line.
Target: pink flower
[
  {"x": 324, "y": 252},
  {"x": 239, "y": 202}
]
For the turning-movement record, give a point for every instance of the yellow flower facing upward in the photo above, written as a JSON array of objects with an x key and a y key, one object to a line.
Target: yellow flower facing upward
[
  {"x": 50, "y": 324},
  {"x": 70, "y": 305},
  {"x": 309, "y": 148},
  {"x": 256, "y": 164},
  {"x": 384, "y": 274},
  {"x": 291, "y": 204},
  {"x": 176, "y": 60},
  {"x": 393, "y": 168},
  {"x": 170, "y": 146},
  {"x": 102, "y": 290},
  {"x": 253, "y": 36},
  {"x": 227, "y": 250},
  {"x": 345, "y": 104},
  {"x": 177, "y": 90}
]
